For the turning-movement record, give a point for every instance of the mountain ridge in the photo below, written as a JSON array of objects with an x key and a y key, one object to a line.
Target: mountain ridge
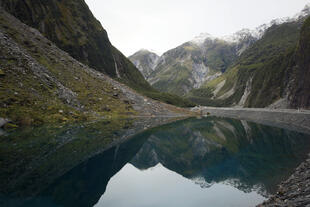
[
  {"x": 190, "y": 71},
  {"x": 73, "y": 28},
  {"x": 40, "y": 83},
  {"x": 261, "y": 76},
  {"x": 189, "y": 65},
  {"x": 145, "y": 61}
]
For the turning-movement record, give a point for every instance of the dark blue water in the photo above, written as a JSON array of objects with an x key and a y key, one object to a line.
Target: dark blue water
[{"x": 196, "y": 162}]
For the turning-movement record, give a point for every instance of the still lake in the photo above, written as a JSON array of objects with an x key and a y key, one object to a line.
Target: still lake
[{"x": 216, "y": 162}]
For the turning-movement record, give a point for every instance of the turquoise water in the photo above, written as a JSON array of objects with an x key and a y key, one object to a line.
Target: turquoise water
[{"x": 195, "y": 162}]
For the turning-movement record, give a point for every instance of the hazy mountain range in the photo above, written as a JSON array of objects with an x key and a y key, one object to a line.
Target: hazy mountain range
[{"x": 246, "y": 68}]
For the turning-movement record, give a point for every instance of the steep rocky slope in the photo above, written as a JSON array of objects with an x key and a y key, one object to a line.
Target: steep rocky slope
[
  {"x": 72, "y": 27},
  {"x": 271, "y": 73},
  {"x": 145, "y": 61},
  {"x": 41, "y": 83},
  {"x": 300, "y": 89},
  {"x": 257, "y": 77},
  {"x": 251, "y": 68},
  {"x": 193, "y": 63}
]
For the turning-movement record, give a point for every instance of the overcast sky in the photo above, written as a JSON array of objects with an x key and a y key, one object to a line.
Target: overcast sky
[{"x": 161, "y": 25}]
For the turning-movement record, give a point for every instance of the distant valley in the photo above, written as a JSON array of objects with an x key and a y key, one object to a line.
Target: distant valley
[{"x": 251, "y": 68}]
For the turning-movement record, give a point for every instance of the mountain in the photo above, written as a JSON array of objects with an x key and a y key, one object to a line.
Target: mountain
[
  {"x": 267, "y": 74},
  {"x": 181, "y": 69},
  {"x": 40, "y": 83},
  {"x": 72, "y": 27},
  {"x": 299, "y": 91},
  {"x": 250, "y": 68},
  {"x": 145, "y": 61},
  {"x": 193, "y": 63}
]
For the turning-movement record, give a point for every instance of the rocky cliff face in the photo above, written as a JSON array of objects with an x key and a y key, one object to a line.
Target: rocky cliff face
[
  {"x": 72, "y": 27},
  {"x": 267, "y": 74},
  {"x": 300, "y": 90},
  {"x": 145, "y": 61},
  {"x": 188, "y": 66}
]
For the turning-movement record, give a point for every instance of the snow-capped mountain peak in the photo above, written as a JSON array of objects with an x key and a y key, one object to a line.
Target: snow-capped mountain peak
[
  {"x": 200, "y": 39},
  {"x": 303, "y": 13},
  {"x": 256, "y": 33},
  {"x": 237, "y": 36}
]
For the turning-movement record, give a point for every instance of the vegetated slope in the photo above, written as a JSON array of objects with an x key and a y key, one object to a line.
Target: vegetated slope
[
  {"x": 41, "y": 83},
  {"x": 190, "y": 65},
  {"x": 300, "y": 87},
  {"x": 260, "y": 76},
  {"x": 72, "y": 27},
  {"x": 145, "y": 61}
]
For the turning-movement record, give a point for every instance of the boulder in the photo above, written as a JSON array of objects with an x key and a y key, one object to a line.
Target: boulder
[{"x": 3, "y": 121}]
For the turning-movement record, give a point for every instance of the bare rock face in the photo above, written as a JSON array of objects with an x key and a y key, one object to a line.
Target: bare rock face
[
  {"x": 145, "y": 61},
  {"x": 190, "y": 65},
  {"x": 300, "y": 96}
]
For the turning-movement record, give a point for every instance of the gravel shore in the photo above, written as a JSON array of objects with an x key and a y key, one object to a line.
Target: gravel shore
[{"x": 291, "y": 119}]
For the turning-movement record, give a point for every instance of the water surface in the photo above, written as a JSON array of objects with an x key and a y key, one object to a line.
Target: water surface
[
  {"x": 167, "y": 188},
  {"x": 195, "y": 162}
]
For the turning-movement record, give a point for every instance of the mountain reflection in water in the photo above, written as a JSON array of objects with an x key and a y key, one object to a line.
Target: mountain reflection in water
[{"x": 203, "y": 160}]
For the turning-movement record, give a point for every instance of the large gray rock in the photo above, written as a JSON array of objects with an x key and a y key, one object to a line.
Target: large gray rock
[{"x": 3, "y": 121}]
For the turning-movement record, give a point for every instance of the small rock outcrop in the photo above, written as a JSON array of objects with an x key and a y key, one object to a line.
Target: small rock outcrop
[{"x": 293, "y": 192}]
